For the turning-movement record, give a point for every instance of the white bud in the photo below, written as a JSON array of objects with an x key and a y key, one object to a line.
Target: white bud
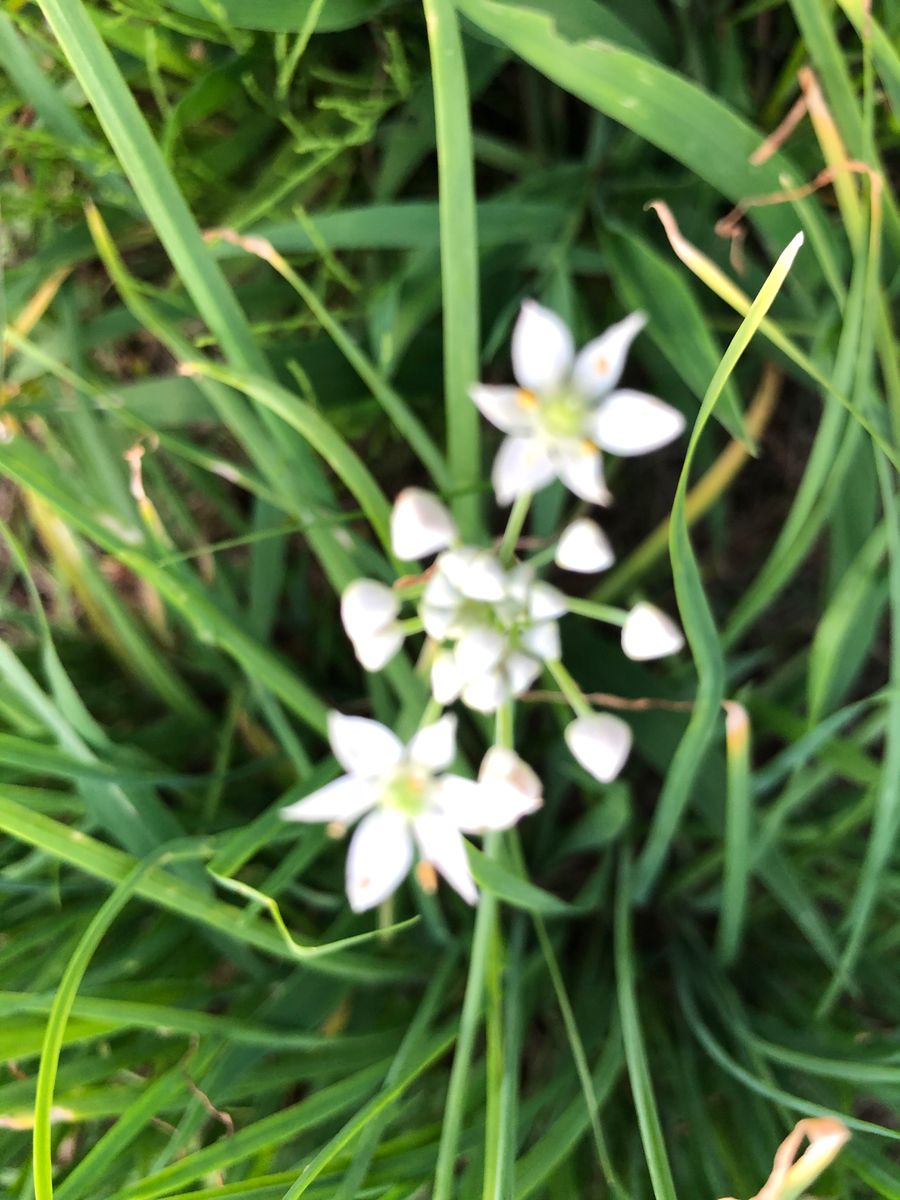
[
  {"x": 367, "y": 607},
  {"x": 649, "y": 633},
  {"x": 584, "y": 547},
  {"x": 601, "y": 743},
  {"x": 420, "y": 525}
]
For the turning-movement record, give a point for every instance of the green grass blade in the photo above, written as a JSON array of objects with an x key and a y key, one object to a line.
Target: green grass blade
[
  {"x": 62, "y": 1007},
  {"x": 459, "y": 258},
  {"x": 695, "y": 612},
  {"x": 635, "y": 1050}
]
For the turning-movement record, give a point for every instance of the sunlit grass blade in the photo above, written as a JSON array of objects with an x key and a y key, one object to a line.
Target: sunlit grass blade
[{"x": 694, "y": 608}]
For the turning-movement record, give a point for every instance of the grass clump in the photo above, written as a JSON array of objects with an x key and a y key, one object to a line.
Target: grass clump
[{"x": 256, "y": 255}]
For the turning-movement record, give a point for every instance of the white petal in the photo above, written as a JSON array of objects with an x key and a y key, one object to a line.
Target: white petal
[
  {"x": 600, "y": 743},
  {"x": 487, "y": 692},
  {"x": 546, "y": 602},
  {"x": 461, "y": 801},
  {"x": 375, "y": 650},
  {"x": 509, "y": 408},
  {"x": 475, "y": 573},
  {"x": 437, "y": 621},
  {"x": 367, "y": 606},
  {"x": 629, "y": 423},
  {"x": 379, "y": 858},
  {"x": 580, "y": 467},
  {"x": 343, "y": 800},
  {"x": 509, "y": 791},
  {"x": 599, "y": 366},
  {"x": 649, "y": 633},
  {"x": 521, "y": 671},
  {"x": 420, "y": 524},
  {"x": 439, "y": 590},
  {"x": 522, "y": 465},
  {"x": 542, "y": 348},
  {"x": 478, "y": 651},
  {"x": 434, "y": 746},
  {"x": 363, "y": 747},
  {"x": 514, "y": 789},
  {"x": 445, "y": 678},
  {"x": 441, "y": 845},
  {"x": 584, "y": 547},
  {"x": 519, "y": 580},
  {"x": 543, "y": 641}
]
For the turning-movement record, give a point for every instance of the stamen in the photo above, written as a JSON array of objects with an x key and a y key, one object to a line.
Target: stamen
[{"x": 427, "y": 877}]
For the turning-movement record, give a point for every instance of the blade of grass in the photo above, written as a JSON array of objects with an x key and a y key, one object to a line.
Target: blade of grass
[
  {"x": 459, "y": 258},
  {"x": 695, "y": 612},
  {"x": 635, "y": 1051},
  {"x": 62, "y": 1007}
]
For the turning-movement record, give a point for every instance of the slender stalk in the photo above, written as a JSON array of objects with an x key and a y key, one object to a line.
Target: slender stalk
[
  {"x": 494, "y": 1110},
  {"x": 485, "y": 978},
  {"x": 470, "y": 1019},
  {"x": 514, "y": 526},
  {"x": 570, "y": 689},
  {"x": 597, "y": 612}
]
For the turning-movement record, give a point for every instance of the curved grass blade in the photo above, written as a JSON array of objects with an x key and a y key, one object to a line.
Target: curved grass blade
[
  {"x": 695, "y": 612},
  {"x": 169, "y": 892},
  {"x": 65, "y": 998}
]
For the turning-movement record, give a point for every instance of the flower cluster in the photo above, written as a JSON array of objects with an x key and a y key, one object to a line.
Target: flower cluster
[{"x": 491, "y": 624}]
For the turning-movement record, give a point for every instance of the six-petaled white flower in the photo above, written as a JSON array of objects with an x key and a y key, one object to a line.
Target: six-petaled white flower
[
  {"x": 408, "y": 801},
  {"x": 566, "y": 408}
]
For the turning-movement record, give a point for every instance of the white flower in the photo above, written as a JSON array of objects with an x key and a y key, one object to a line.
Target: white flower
[
  {"x": 601, "y": 743},
  {"x": 565, "y": 411},
  {"x": 583, "y": 546},
  {"x": 369, "y": 612},
  {"x": 649, "y": 633},
  {"x": 502, "y": 625},
  {"x": 406, "y": 800},
  {"x": 420, "y": 525}
]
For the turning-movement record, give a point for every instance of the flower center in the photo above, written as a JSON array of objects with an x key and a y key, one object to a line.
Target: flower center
[
  {"x": 406, "y": 791},
  {"x": 562, "y": 415}
]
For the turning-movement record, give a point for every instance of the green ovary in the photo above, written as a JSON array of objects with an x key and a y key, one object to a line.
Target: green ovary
[
  {"x": 562, "y": 415},
  {"x": 407, "y": 792}
]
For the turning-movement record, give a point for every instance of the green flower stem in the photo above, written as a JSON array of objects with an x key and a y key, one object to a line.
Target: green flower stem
[
  {"x": 494, "y": 1048},
  {"x": 411, "y": 625},
  {"x": 470, "y": 1019},
  {"x": 514, "y": 526},
  {"x": 485, "y": 980},
  {"x": 574, "y": 695},
  {"x": 597, "y": 612},
  {"x": 543, "y": 557},
  {"x": 431, "y": 712}
]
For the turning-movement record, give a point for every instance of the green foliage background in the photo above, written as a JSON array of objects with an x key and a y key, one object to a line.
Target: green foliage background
[{"x": 674, "y": 968}]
